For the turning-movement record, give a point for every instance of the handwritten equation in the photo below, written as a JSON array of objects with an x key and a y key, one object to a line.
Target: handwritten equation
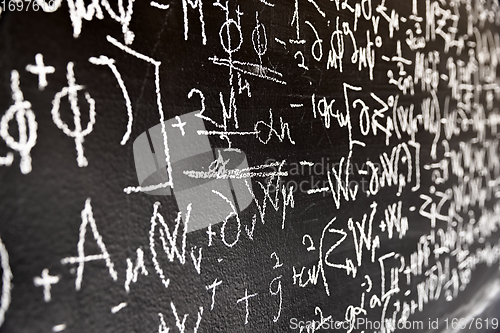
[{"x": 335, "y": 143}]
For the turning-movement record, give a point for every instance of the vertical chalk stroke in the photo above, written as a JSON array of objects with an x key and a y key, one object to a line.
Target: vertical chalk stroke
[
  {"x": 78, "y": 133},
  {"x": 194, "y": 4},
  {"x": 27, "y": 127},
  {"x": 213, "y": 287},
  {"x": 6, "y": 282},
  {"x": 277, "y": 292},
  {"x": 159, "y": 104},
  {"x": 246, "y": 300}
]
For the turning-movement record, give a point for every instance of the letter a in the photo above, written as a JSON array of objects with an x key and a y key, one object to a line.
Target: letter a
[{"x": 88, "y": 218}]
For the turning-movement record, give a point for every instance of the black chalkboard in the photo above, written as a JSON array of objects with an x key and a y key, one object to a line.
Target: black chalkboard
[{"x": 249, "y": 166}]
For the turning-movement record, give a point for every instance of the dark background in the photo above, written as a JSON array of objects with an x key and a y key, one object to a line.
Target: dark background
[{"x": 40, "y": 211}]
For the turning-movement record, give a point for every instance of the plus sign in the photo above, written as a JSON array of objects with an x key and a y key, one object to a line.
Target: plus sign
[
  {"x": 41, "y": 70},
  {"x": 245, "y": 299},
  {"x": 46, "y": 280},
  {"x": 180, "y": 124}
]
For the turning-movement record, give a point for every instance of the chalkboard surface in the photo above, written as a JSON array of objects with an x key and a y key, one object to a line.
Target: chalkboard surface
[{"x": 249, "y": 166}]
